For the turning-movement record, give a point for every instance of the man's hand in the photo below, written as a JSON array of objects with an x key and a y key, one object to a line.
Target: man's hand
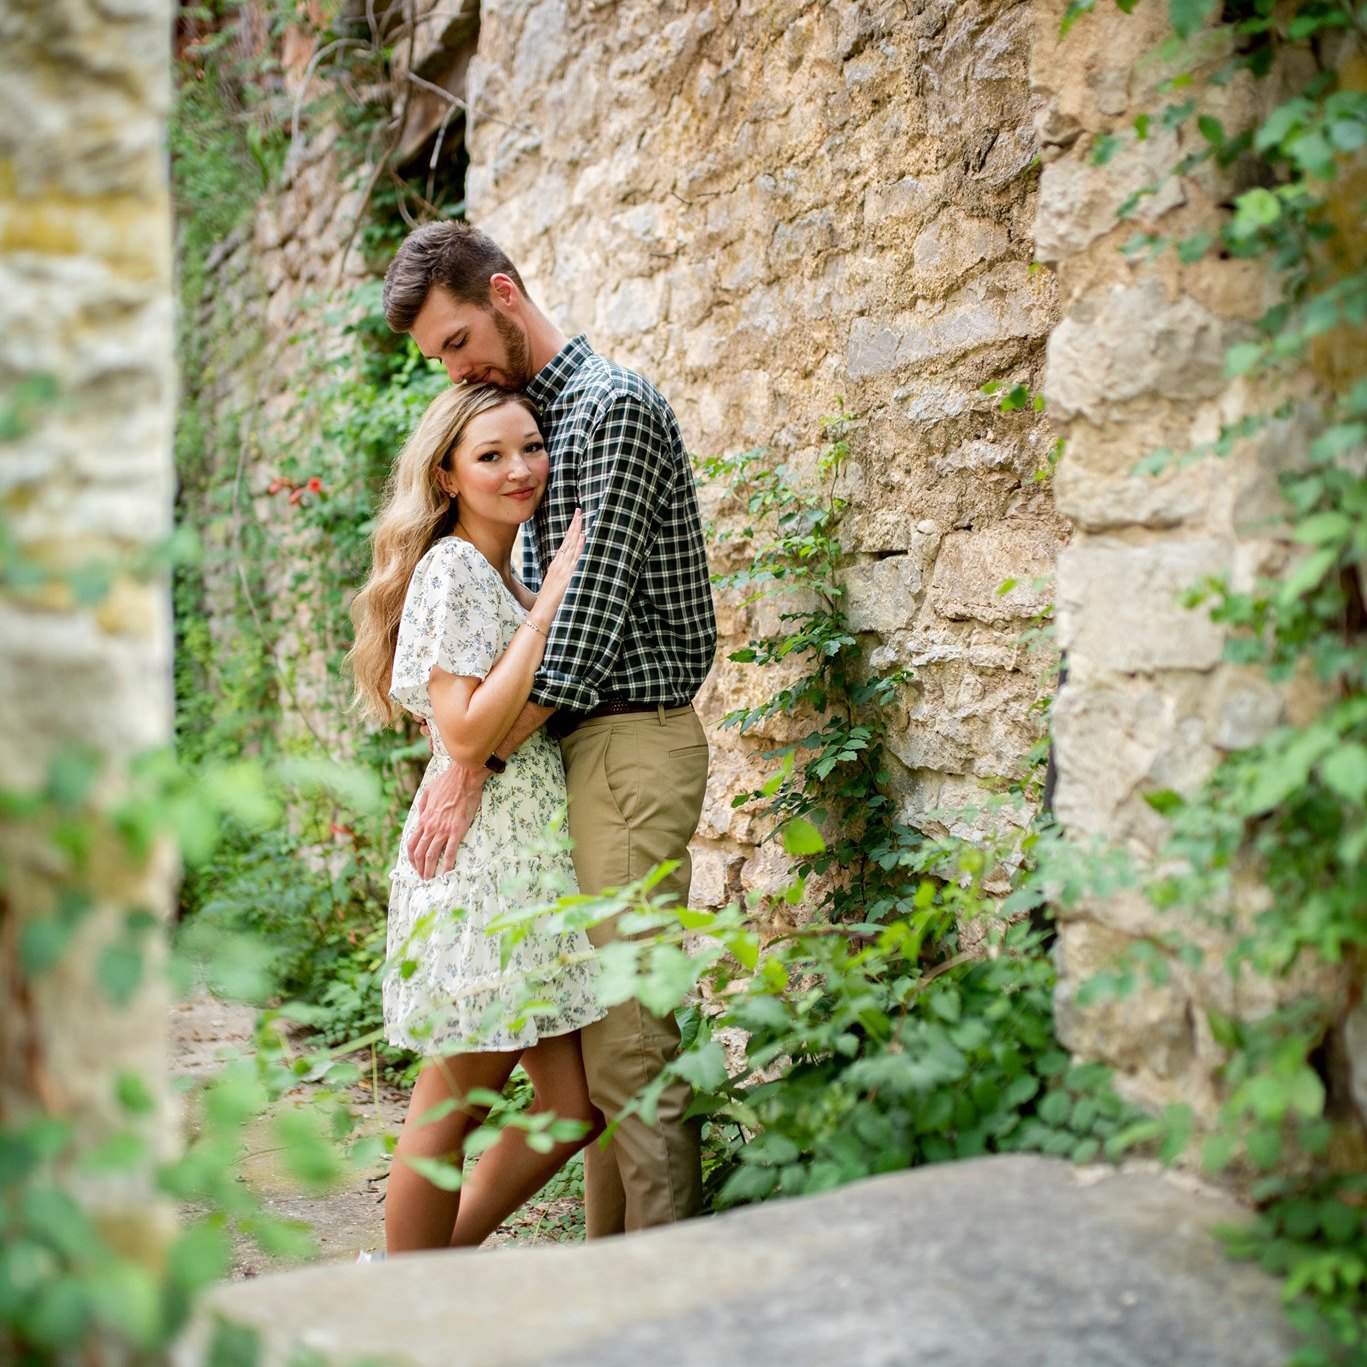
[{"x": 446, "y": 811}]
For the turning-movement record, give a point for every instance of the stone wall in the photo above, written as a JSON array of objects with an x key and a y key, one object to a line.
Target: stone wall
[
  {"x": 1135, "y": 364},
  {"x": 270, "y": 328},
  {"x": 86, "y": 482},
  {"x": 268, "y": 325},
  {"x": 769, "y": 207}
]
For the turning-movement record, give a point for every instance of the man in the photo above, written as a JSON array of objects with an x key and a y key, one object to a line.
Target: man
[{"x": 630, "y": 648}]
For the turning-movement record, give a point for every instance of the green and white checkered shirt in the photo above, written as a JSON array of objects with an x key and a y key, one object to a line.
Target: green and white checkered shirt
[{"x": 637, "y": 622}]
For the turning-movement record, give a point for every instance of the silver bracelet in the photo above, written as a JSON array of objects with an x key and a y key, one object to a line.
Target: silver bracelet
[{"x": 527, "y": 622}]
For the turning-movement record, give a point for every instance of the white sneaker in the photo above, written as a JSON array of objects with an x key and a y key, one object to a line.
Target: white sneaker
[{"x": 370, "y": 1256}]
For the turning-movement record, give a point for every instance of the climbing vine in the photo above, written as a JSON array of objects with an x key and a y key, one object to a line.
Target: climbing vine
[{"x": 1288, "y": 813}]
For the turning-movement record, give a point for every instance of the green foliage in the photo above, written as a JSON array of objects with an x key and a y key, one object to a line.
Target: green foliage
[
  {"x": 903, "y": 1021},
  {"x": 834, "y": 771},
  {"x": 72, "y": 1278},
  {"x": 1290, "y": 811}
]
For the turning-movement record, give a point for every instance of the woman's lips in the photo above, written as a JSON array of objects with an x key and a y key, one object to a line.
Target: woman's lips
[{"x": 522, "y": 494}]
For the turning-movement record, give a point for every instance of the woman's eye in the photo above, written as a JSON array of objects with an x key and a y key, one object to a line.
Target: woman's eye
[
  {"x": 489, "y": 456},
  {"x": 532, "y": 447}
]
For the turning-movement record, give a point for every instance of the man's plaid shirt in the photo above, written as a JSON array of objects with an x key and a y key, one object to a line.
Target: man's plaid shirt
[{"x": 637, "y": 622}]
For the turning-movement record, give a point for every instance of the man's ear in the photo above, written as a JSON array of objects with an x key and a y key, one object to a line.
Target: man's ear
[{"x": 503, "y": 291}]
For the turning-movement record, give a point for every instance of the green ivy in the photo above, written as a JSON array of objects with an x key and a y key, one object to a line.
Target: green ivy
[{"x": 1290, "y": 810}]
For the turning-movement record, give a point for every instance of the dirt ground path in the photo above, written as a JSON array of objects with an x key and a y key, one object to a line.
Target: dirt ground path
[{"x": 207, "y": 1032}]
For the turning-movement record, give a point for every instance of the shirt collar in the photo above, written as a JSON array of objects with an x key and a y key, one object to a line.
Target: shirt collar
[{"x": 548, "y": 382}]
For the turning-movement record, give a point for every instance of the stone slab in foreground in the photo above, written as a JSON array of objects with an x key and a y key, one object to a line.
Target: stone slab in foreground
[{"x": 1019, "y": 1260}]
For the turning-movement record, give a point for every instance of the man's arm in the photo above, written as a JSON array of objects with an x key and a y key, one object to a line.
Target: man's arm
[
  {"x": 624, "y": 480},
  {"x": 451, "y": 800},
  {"x": 531, "y": 719}
]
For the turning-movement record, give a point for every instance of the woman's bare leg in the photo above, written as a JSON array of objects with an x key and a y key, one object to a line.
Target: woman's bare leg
[
  {"x": 417, "y": 1214},
  {"x": 510, "y": 1173}
]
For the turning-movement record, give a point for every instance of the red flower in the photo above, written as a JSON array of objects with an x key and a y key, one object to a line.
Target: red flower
[{"x": 315, "y": 485}]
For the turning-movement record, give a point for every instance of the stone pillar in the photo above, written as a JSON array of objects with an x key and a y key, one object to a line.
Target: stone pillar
[
  {"x": 1136, "y": 364},
  {"x": 86, "y": 402}
]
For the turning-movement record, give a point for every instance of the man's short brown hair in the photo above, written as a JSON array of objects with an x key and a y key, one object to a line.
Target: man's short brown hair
[{"x": 455, "y": 255}]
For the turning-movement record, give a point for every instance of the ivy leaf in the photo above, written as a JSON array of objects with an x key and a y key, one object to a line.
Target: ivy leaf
[
  {"x": 1307, "y": 575},
  {"x": 1281, "y": 123},
  {"x": 1242, "y": 357},
  {"x": 1312, "y": 152},
  {"x": 1191, "y": 249},
  {"x": 444, "y": 1176},
  {"x": 1218, "y": 1152},
  {"x": 1211, "y": 129},
  {"x": 118, "y": 971},
  {"x": 1254, "y": 210},
  {"x": 42, "y": 943},
  {"x": 1165, "y": 802},
  {"x": 1321, "y": 528},
  {"x": 1076, "y": 9},
  {"x": 126, "y": 1295},
  {"x": 1188, "y": 15},
  {"x": 801, "y": 837},
  {"x": 200, "y": 1256},
  {"x": 705, "y": 1068},
  {"x": 1345, "y": 771},
  {"x": 1104, "y": 147},
  {"x": 1265, "y": 1147},
  {"x": 1347, "y": 135}
]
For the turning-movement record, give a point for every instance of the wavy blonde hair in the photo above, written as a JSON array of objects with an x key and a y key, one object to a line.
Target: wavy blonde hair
[{"x": 415, "y": 513}]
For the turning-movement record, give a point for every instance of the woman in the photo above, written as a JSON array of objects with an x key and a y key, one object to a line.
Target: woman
[{"x": 445, "y": 631}]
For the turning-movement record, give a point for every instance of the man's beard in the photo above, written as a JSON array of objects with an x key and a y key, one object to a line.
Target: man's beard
[{"x": 517, "y": 364}]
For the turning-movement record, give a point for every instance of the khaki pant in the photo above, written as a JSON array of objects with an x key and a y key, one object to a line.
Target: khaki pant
[{"x": 636, "y": 787}]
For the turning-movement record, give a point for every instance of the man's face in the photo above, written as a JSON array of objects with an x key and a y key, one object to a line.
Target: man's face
[{"x": 481, "y": 345}]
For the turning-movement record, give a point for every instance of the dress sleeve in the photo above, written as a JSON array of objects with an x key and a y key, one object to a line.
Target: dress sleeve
[{"x": 450, "y": 618}]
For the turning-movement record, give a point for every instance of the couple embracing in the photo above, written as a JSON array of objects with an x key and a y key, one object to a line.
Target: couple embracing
[{"x": 602, "y": 642}]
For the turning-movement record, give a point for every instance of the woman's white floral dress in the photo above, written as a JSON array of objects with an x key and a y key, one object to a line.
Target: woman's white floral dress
[{"x": 448, "y": 984}]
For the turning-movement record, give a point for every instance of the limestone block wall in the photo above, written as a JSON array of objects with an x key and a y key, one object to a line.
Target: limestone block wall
[
  {"x": 86, "y": 482},
  {"x": 271, "y": 327},
  {"x": 770, "y": 207},
  {"x": 1136, "y": 363},
  {"x": 268, "y": 325}
]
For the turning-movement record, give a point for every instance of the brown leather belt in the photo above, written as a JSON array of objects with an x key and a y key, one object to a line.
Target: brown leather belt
[
  {"x": 621, "y": 707},
  {"x": 564, "y": 722}
]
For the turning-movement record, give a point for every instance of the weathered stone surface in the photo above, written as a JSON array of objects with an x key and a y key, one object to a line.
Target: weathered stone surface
[
  {"x": 1018, "y": 1259},
  {"x": 1137, "y": 366},
  {"x": 1120, "y": 609},
  {"x": 1147, "y": 1033},
  {"x": 881, "y": 595},
  {"x": 86, "y": 483},
  {"x": 1078, "y": 200},
  {"x": 1130, "y": 342},
  {"x": 973, "y": 569},
  {"x": 764, "y": 207}
]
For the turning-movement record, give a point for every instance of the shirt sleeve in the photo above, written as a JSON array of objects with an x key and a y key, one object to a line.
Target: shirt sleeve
[
  {"x": 624, "y": 480},
  {"x": 531, "y": 562},
  {"x": 450, "y": 618}
]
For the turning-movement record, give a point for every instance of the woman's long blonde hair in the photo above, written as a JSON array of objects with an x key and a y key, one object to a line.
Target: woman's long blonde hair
[{"x": 416, "y": 512}]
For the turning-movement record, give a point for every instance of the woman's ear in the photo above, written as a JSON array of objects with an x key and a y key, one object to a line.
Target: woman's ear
[{"x": 446, "y": 482}]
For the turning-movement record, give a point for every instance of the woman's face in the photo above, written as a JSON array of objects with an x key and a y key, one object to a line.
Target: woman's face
[{"x": 499, "y": 468}]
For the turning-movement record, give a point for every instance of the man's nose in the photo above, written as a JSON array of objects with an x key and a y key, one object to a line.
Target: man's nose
[{"x": 457, "y": 370}]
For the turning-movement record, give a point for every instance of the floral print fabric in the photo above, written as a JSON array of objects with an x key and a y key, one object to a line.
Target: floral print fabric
[{"x": 450, "y": 986}]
